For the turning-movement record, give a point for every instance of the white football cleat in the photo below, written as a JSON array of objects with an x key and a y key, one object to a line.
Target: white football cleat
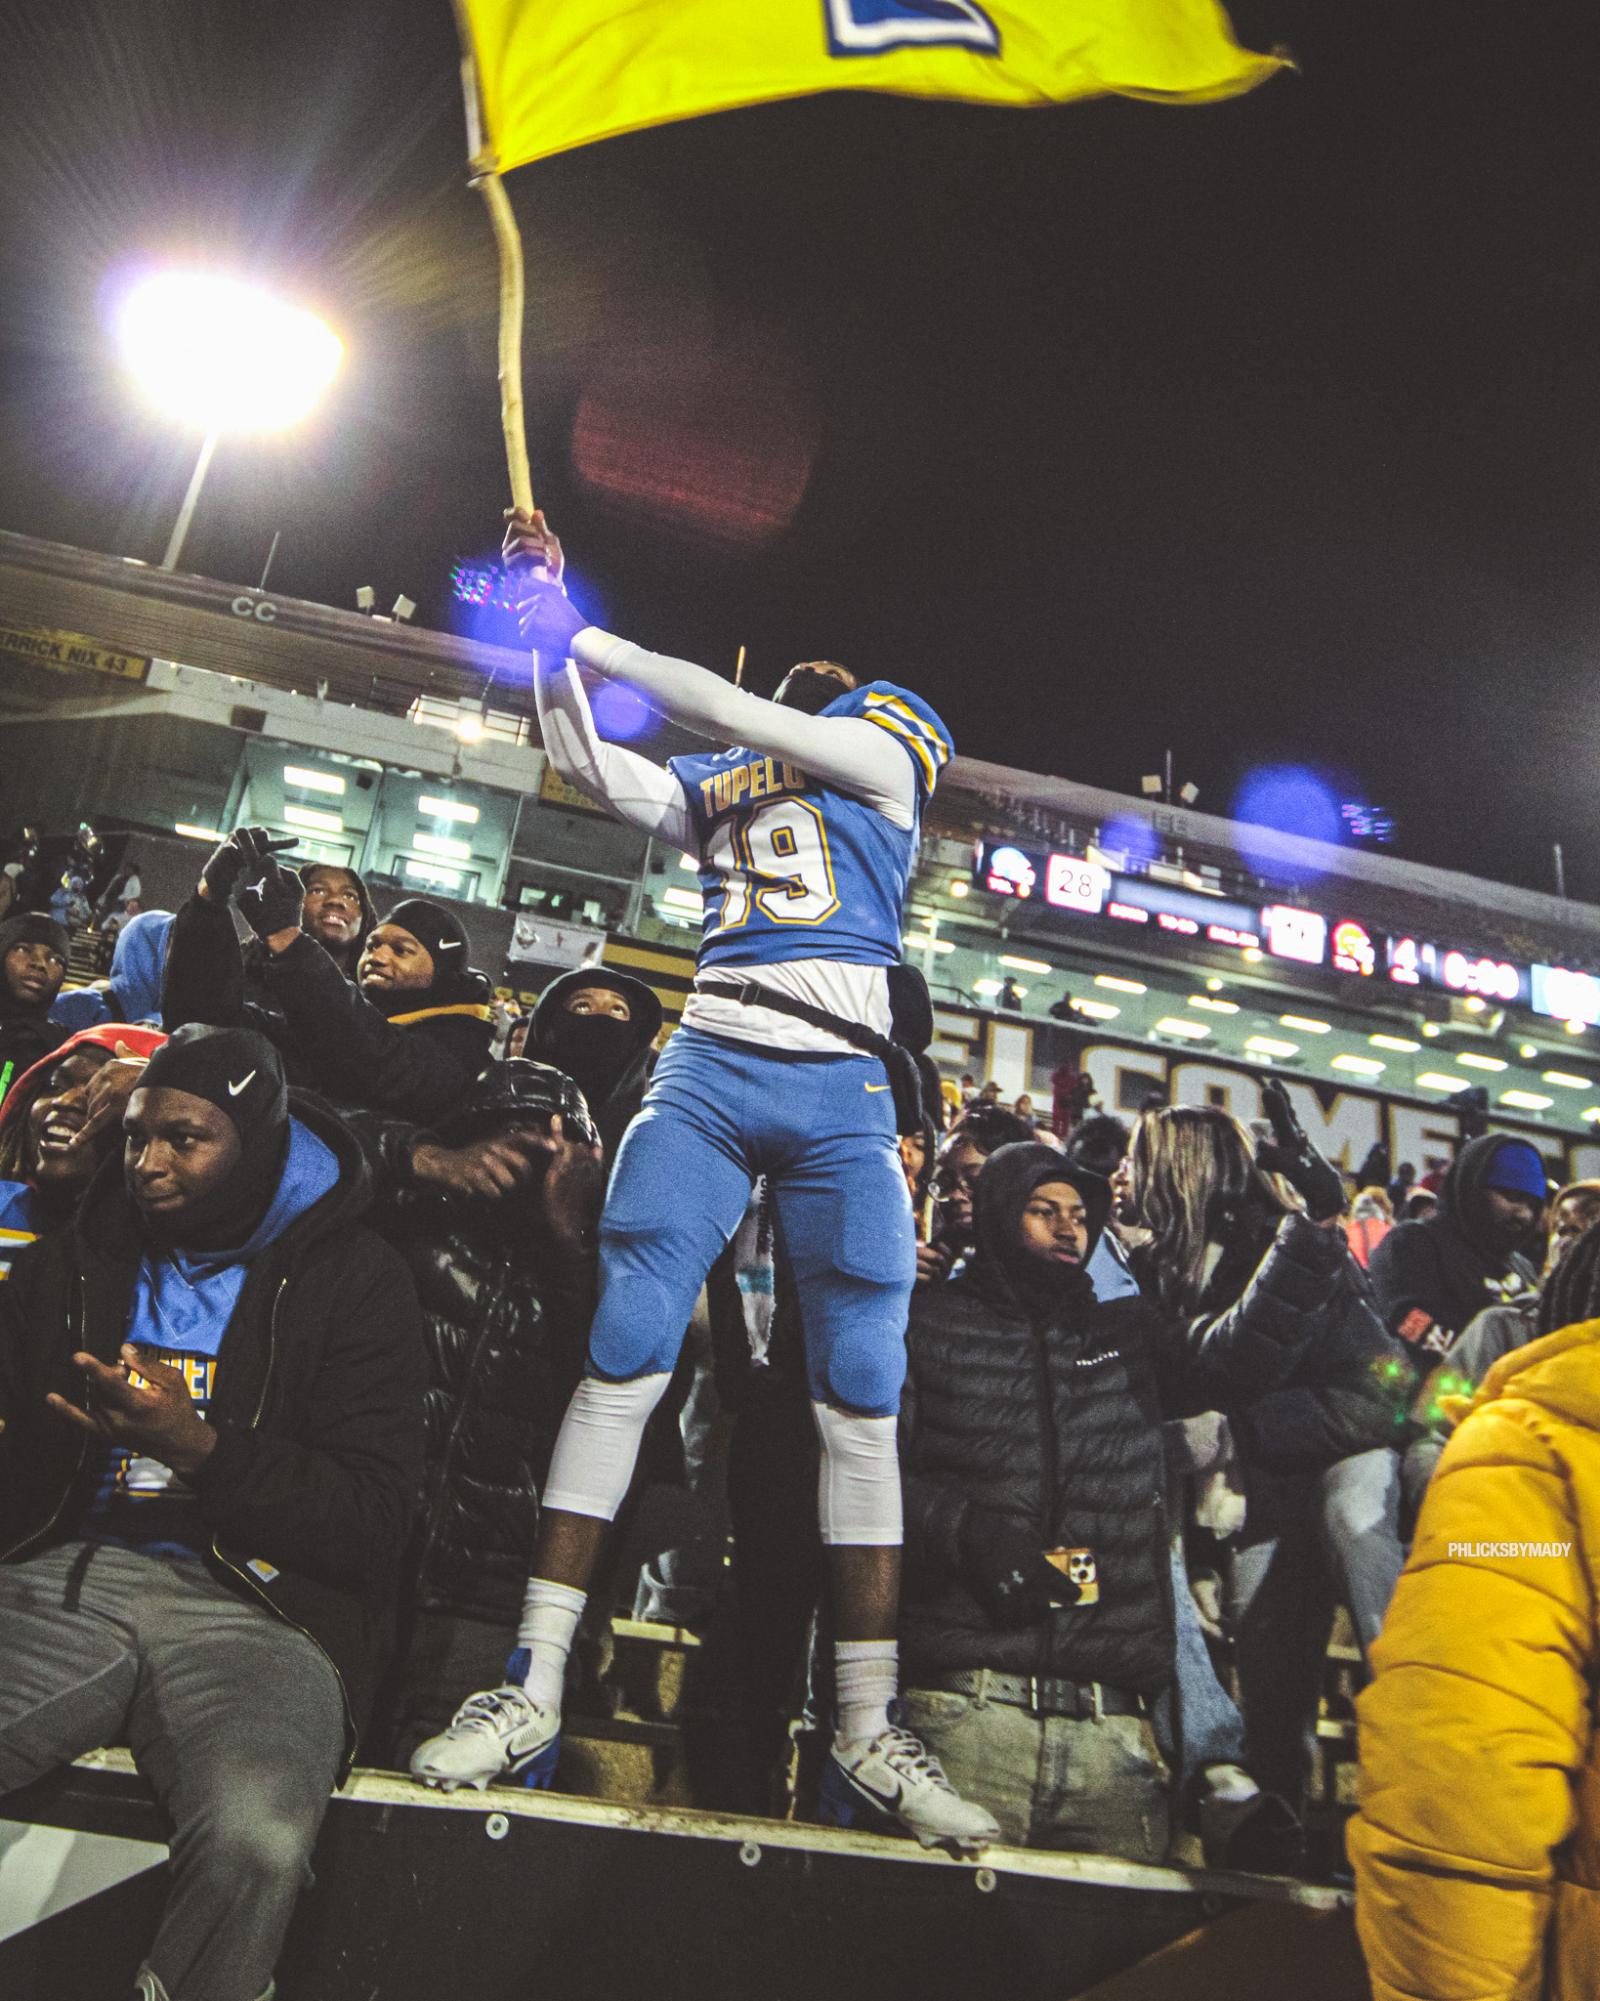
[
  {"x": 499, "y": 1733},
  {"x": 895, "y": 1777}
]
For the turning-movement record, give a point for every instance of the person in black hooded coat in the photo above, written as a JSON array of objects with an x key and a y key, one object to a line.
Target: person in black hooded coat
[
  {"x": 406, "y": 1039},
  {"x": 1037, "y": 1619},
  {"x": 1434, "y": 1276},
  {"x": 216, "y": 976},
  {"x": 599, "y": 1026},
  {"x": 210, "y": 1444},
  {"x": 338, "y": 913},
  {"x": 506, "y": 1280}
]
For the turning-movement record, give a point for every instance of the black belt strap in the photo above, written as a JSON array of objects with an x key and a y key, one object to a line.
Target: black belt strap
[
  {"x": 911, "y": 1115},
  {"x": 751, "y": 993},
  {"x": 1043, "y": 1695}
]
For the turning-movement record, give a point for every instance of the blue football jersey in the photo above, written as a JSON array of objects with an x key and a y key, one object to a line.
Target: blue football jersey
[{"x": 792, "y": 869}]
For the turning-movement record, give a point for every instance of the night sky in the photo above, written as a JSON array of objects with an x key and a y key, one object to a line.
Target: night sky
[{"x": 1266, "y": 429}]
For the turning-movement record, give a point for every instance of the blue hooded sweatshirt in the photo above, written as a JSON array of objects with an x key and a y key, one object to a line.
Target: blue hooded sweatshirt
[
  {"x": 134, "y": 990},
  {"x": 182, "y": 1303}
]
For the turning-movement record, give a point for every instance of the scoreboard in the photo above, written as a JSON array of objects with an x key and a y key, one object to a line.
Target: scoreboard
[{"x": 1304, "y": 937}]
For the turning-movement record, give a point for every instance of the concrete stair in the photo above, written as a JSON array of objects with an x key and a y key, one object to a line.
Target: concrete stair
[{"x": 634, "y": 1755}]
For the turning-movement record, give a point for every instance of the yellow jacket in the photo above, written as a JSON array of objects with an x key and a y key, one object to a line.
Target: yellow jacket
[{"x": 1477, "y": 1846}]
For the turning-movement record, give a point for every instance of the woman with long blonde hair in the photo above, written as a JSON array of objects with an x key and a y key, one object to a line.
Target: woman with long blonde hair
[
  {"x": 1244, "y": 1240},
  {"x": 1209, "y": 1208}
]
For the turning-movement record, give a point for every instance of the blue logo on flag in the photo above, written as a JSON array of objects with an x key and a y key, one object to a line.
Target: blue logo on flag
[{"x": 873, "y": 27}]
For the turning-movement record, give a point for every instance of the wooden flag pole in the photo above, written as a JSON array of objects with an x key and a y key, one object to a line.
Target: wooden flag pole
[{"x": 483, "y": 169}]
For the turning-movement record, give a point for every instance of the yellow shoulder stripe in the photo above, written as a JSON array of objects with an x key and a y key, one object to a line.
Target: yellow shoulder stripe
[
  {"x": 920, "y": 724},
  {"x": 930, "y": 770}
]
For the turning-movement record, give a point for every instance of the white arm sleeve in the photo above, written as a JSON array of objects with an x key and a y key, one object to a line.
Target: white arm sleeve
[
  {"x": 846, "y": 752},
  {"x": 629, "y": 787}
]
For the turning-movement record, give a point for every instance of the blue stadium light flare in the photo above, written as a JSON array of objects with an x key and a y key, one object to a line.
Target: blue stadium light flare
[
  {"x": 1134, "y": 839},
  {"x": 481, "y": 604},
  {"x": 621, "y": 712},
  {"x": 1290, "y": 799}
]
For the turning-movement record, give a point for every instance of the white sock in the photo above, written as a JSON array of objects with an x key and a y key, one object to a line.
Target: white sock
[
  {"x": 866, "y": 1677},
  {"x": 550, "y": 1615}
]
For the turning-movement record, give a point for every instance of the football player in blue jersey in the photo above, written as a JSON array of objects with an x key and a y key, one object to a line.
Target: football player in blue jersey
[{"x": 805, "y": 836}]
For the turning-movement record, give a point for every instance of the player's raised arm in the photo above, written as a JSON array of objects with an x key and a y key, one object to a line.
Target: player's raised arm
[
  {"x": 844, "y": 751},
  {"x": 629, "y": 787}
]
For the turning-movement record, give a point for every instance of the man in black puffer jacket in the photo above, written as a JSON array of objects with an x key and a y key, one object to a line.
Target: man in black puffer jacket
[
  {"x": 1038, "y": 1429},
  {"x": 506, "y": 1277}
]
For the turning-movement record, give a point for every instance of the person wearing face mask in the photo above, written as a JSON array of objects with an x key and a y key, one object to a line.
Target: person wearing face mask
[
  {"x": 600, "y": 1026},
  {"x": 805, "y": 833},
  {"x": 59, "y": 1124},
  {"x": 211, "y": 1388},
  {"x": 406, "y": 1039},
  {"x": 1432, "y": 1277},
  {"x": 33, "y": 963}
]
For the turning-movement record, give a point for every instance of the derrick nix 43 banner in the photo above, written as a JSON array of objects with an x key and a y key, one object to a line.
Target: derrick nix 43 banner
[{"x": 560, "y": 73}]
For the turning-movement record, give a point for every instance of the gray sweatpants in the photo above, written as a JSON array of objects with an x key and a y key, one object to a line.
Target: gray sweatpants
[{"x": 234, "y": 1718}]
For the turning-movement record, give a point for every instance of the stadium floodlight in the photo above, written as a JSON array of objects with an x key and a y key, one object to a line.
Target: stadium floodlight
[{"x": 224, "y": 355}]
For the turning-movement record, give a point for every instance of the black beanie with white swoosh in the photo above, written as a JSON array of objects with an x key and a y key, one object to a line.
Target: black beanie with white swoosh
[
  {"x": 234, "y": 1069},
  {"x": 240, "y": 1073}
]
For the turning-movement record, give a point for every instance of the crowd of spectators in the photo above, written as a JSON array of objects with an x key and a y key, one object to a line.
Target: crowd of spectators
[{"x": 301, "y": 1266}]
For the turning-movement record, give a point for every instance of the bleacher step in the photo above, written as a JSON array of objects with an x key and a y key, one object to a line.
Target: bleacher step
[{"x": 515, "y": 1894}]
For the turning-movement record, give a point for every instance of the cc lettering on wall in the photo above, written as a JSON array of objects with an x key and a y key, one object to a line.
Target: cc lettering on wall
[{"x": 263, "y": 610}]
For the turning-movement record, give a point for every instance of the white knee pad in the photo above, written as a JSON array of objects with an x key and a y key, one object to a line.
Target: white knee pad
[
  {"x": 858, "y": 1485},
  {"x": 598, "y": 1444}
]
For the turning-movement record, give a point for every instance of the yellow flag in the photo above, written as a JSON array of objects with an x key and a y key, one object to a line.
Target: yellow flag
[{"x": 561, "y": 73}]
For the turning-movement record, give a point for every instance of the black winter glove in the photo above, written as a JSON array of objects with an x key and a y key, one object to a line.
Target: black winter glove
[
  {"x": 1008, "y": 1572},
  {"x": 269, "y": 895},
  {"x": 223, "y": 869},
  {"x": 1292, "y": 1155}
]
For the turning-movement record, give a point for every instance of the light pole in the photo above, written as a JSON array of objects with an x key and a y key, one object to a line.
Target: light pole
[
  {"x": 197, "y": 479},
  {"x": 217, "y": 352}
]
